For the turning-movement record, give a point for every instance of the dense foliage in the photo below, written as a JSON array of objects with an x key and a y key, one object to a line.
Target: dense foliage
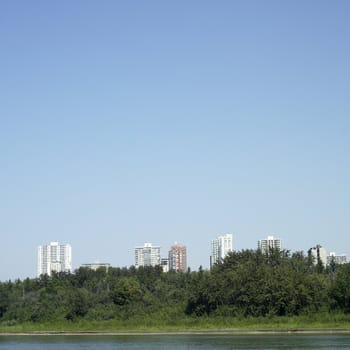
[{"x": 245, "y": 284}]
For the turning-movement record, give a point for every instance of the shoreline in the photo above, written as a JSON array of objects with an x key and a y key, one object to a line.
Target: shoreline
[{"x": 234, "y": 331}]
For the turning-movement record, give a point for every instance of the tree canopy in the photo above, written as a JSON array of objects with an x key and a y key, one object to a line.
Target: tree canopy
[{"x": 246, "y": 283}]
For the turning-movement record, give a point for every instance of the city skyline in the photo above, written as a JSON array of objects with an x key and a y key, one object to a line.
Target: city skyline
[
  {"x": 176, "y": 259},
  {"x": 126, "y": 122}
]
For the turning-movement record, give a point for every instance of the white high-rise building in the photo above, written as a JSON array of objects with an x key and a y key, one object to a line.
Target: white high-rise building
[
  {"x": 269, "y": 243},
  {"x": 220, "y": 247},
  {"x": 319, "y": 255},
  {"x": 147, "y": 255},
  {"x": 54, "y": 257}
]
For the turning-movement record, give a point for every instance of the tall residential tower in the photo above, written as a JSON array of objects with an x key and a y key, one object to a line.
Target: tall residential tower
[
  {"x": 178, "y": 257},
  {"x": 220, "y": 247},
  {"x": 318, "y": 255},
  {"x": 148, "y": 255},
  {"x": 54, "y": 257},
  {"x": 269, "y": 243}
]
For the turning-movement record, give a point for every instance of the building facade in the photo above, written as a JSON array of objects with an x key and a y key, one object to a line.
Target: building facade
[
  {"x": 54, "y": 257},
  {"x": 164, "y": 263},
  {"x": 178, "y": 258},
  {"x": 96, "y": 266},
  {"x": 220, "y": 247},
  {"x": 318, "y": 255},
  {"x": 336, "y": 258},
  {"x": 148, "y": 255},
  {"x": 265, "y": 245}
]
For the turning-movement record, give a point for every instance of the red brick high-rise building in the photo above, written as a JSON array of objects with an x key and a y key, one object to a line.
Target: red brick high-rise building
[{"x": 178, "y": 258}]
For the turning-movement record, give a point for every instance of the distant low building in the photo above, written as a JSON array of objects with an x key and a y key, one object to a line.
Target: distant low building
[
  {"x": 265, "y": 245},
  {"x": 95, "y": 266},
  {"x": 338, "y": 259},
  {"x": 318, "y": 255},
  {"x": 164, "y": 263}
]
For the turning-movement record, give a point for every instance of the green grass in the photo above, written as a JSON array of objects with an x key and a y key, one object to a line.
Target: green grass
[{"x": 154, "y": 324}]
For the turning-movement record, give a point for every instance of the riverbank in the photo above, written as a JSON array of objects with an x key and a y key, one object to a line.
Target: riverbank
[
  {"x": 336, "y": 323},
  {"x": 237, "y": 331}
]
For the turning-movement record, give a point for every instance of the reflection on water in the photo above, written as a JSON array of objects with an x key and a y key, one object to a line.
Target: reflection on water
[{"x": 176, "y": 342}]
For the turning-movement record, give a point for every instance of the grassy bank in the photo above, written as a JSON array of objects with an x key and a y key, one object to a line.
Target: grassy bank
[{"x": 337, "y": 321}]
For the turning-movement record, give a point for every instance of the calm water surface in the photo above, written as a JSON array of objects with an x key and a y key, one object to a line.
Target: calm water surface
[{"x": 176, "y": 342}]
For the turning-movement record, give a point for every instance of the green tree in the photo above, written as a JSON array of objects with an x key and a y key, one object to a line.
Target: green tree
[
  {"x": 127, "y": 290},
  {"x": 78, "y": 302},
  {"x": 340, "y": 290}
]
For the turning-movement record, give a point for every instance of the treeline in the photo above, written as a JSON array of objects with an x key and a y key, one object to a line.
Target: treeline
[{"x": 245, "y": 284}]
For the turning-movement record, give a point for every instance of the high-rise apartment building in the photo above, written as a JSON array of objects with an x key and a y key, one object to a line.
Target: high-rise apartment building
[
  {"x": 178, "y": 258},
  {"x": 54, "y": 257},
  {"x": 147, "y": 255},
  {"x": 220, "y": 247},
  {"x": 318, "y": 254},
  {"x": 265, "y": 245}
]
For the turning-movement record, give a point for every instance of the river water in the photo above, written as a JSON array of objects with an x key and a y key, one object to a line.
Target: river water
[{"x": 176, "y": 342}]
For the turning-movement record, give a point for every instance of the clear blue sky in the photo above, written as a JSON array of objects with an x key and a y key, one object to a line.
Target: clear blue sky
[{"x": 124, "y": 122}]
